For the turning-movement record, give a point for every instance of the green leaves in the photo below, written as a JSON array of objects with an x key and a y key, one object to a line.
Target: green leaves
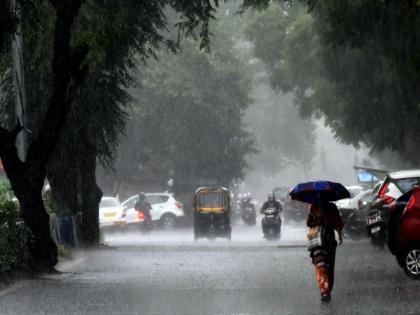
[
  {"x": 13, "y": 234},
  {"x": 188, "y": 122},
  {"x": 354, "y": 62}
]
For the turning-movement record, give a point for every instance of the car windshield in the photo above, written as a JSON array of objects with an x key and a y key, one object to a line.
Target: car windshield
[
  {"x": 211, "y": 199},
  {"x": 107, "y": 203},
  {"x": 407, "y": 184}
]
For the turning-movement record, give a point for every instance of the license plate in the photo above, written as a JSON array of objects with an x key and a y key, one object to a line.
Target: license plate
[
  {"x": 373, "y": 220},
  {"x": 110, "y": 215},
  {"x": 376, "y": 229}
]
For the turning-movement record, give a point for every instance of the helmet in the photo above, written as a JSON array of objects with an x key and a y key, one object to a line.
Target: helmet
[
  {"x": 271, "y": 197},
  {"x": 142, "y": 196}
]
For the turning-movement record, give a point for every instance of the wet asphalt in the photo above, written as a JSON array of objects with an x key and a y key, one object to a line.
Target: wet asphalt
[{"x": 167, "y": 273}]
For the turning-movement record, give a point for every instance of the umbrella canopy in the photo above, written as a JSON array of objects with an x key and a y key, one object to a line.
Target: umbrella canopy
[{"x": 312, "y": 192}]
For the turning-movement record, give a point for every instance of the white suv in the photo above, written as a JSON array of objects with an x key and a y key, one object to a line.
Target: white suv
[
  {"x": 398, "y": 183},
  {"x": 165, "y": 209}
]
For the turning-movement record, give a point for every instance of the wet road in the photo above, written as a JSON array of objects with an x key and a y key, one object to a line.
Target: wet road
[{"x": 167, "y": 273}]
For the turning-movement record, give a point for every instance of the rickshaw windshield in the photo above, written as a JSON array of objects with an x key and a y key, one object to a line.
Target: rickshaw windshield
[{"x": 211, "y": 200}]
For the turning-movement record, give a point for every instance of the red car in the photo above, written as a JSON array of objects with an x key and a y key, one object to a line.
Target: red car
[{"x": 408, "y": 237}]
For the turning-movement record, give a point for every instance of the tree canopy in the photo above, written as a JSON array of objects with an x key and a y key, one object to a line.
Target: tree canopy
[
  {"x": 187, "y": 121},
  {"x": 353, "y": 62},
  {"x": 58, "y": 35}
]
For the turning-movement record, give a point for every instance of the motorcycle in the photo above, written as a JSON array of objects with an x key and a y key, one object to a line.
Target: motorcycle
[
  {"x": 376, "y": 228},
  {"x": 248, "y": 214},
  {"x": 271, "y": 224},
  {"x": 145, "y": 223}
]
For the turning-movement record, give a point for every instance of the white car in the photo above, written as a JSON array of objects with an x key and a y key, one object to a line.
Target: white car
[
  {"x": 398, "y": 183},
  {"x": 111, "y": 212},
  {"x": 354, "y": 203},
  {"x": 166, "y": 210},
  {"x": 354, "y": 191}
]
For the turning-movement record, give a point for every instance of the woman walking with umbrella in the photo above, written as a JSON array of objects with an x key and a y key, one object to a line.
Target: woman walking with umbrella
[{"x": 323, "y": 220}]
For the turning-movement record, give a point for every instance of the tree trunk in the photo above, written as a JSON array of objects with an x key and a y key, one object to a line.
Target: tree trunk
[
  {"x": 42, "y": 248},
  {"x": 63, "y": 174},
  {"x": 27, "y": 183},
  {"x": 91, "y": 195},
  {"x": 27, "y": 178}
]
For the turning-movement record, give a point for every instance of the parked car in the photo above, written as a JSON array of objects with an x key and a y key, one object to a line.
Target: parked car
[
  {"x": 407, "y": 245},
  {"x": 395, "y": 211},
  {"x": 354, "y": 191},
  {"x": 393, "y": 187},
  {"x": 396, "y": 184},
  {"x": 111, "y": 213},
  {"x": 166, "y": 210}
]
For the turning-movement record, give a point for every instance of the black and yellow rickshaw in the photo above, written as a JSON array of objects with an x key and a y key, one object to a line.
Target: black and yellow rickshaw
[{"x": 211, "y": 213}]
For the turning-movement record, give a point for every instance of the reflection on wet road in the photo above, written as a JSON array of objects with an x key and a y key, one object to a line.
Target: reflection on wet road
[{"x": 167, "y": 273}]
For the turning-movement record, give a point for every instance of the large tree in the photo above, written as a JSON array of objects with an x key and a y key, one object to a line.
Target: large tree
[
  {"x": 353, "y": 62},
  {"x": 61, "y": 84},
  {"x": 188, "y": 122},
  {"x": 27, "y": 178}
]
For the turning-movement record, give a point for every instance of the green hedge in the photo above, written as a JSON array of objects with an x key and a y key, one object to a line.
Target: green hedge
[{"x": 13, "y": 234}]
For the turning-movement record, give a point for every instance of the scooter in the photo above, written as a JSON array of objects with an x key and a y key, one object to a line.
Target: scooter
[
  {"x": 271, "y": 224},
  {"x": 376, "y": 228}
]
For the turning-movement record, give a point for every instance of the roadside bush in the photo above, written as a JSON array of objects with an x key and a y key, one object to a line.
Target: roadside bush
[{"x": 13, "y": 235}]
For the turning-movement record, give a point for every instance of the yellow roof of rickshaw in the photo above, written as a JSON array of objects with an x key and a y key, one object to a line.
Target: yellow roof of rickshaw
[{"x": 211, "y": 189}]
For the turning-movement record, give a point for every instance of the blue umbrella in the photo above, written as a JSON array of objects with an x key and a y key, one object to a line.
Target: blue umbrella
[{"x": 312, "y": 192}]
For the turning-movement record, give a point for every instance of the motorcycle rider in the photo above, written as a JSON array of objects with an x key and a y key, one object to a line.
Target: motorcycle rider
[
  {"x": 144, "y": 206},
  {"x": 272, "y": 203}
]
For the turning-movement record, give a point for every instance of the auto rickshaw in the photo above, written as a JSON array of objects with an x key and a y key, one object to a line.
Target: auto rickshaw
[{"x": 211, "y": 213}]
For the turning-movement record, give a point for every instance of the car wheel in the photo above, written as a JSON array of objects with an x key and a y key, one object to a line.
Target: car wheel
[
  {"x": 168, "y": 222},
  {"x": 412, "y": 263}
]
